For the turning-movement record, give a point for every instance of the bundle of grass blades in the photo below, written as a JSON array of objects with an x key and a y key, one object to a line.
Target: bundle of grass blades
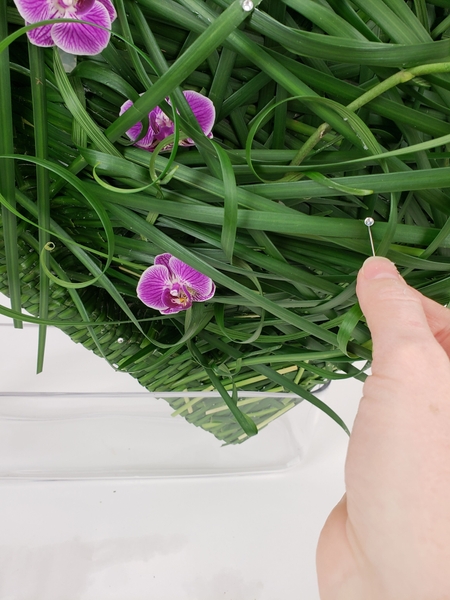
[{"x": 327, "y": 112}]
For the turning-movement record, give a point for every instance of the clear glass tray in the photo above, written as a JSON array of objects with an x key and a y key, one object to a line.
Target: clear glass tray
[{"x": 52, "y": 436}]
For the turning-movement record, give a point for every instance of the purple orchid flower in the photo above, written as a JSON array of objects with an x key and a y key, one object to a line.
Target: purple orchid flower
[
  {"x": 160, "y": 126},
  {"x": 171, "y": 285},
  {"x": 73, "y": 38}
]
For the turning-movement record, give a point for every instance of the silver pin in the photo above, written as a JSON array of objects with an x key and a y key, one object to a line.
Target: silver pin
[{"x": 368, "y": 221}]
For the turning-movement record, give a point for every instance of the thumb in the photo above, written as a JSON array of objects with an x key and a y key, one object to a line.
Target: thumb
[{"x": 393, "y": 310}]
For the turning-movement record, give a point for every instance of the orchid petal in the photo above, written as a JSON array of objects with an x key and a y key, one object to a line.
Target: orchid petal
[
  {"x": 152, "y": 284},
  {"x": 200, "y": 286},
  {"x": 110, "y": 8},
  {"x": 41, "y": 36},
  {"x": 34, "y": 11},
  {"x": 187, "y": 142},
  {"x": 76, "y": 38},
  {"x": 146, "y": 141},
  {"x": 203, "y": 110},
  {"x": 206, "y": 296},
  {"x": 163, "y": 259},
  {"x": 172, "y": 310},
  {"x": 125, "y": 106},
  {"x": 134, "y": 132}
]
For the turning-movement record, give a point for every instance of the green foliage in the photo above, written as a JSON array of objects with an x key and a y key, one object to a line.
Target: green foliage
[{"x": 327, "y": 112}]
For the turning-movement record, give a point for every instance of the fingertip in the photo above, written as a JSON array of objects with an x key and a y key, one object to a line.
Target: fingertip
[
  {"x": 393, "y": 311},
  {"x": 378, "y": 267}
]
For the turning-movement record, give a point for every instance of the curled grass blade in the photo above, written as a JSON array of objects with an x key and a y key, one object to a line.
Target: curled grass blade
[
  {"x": 230, "y": 204},
  {"x": 78, "y": 303},
  {"x": 84, "y": 258},
  {"x": 347, "y": 326},
  {"x": 80, "y": 187}
]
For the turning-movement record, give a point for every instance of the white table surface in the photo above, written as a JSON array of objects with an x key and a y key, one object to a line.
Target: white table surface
[{"x": 236, "y": 537}]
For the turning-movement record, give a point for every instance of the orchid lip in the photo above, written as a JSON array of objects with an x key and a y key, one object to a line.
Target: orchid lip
[{"x": 83, "y": 6}]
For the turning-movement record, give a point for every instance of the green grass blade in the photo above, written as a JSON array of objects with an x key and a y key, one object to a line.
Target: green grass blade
[
  {"x": 220, "y": 82},
  {"x": 324, "y": 18},
  {"x": 78, "y": 111},
  {"x": 248, "y": 426},
  {"x": 342, "y": 188},
  {"x": 347, "y": 12},
  {"x": 135, "y": 58},
  {"x": 391, "y": 23},
  {"x": 410, "y": 21},
  {"x": 100, "y": 73},
  {"x": 40, "y": 118},
  {"x": 347, "y": 327},
  {"x": 230, "y": 204},
  {"x": 7, "y": 174}
]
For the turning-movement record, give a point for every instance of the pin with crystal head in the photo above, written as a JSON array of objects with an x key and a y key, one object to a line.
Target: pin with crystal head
[
  {"x": 368, "y": 221},
  {"x": 247, "y": 5}
]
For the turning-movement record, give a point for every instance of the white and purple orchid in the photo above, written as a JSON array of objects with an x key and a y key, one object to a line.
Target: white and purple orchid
[
  {"x": 160, "y": 126},
  {"x": 73, "y": 38},
  {"x": 171, "y": 285}
]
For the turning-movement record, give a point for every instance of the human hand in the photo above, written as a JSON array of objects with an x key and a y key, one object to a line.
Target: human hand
[{"x": 389, "y": 537}]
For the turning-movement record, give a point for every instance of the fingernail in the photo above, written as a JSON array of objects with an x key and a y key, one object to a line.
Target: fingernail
[{"x": 377, "y": 267}]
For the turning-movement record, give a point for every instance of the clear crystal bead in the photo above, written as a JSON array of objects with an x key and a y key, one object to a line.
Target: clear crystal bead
[{"x": 247, "y": 5}]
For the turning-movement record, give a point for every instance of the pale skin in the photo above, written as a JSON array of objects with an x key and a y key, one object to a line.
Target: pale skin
[{"x": 389, "y": 536}]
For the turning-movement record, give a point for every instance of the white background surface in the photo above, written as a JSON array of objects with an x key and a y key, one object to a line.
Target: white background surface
[{"x": 237, "y": 537}]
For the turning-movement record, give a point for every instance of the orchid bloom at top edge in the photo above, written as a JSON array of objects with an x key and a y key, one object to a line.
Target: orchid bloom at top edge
[
  {"x": 171, "y": 285},
  {"x": 73, "y": 38},
  {"x": 160, "y": 126}
]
